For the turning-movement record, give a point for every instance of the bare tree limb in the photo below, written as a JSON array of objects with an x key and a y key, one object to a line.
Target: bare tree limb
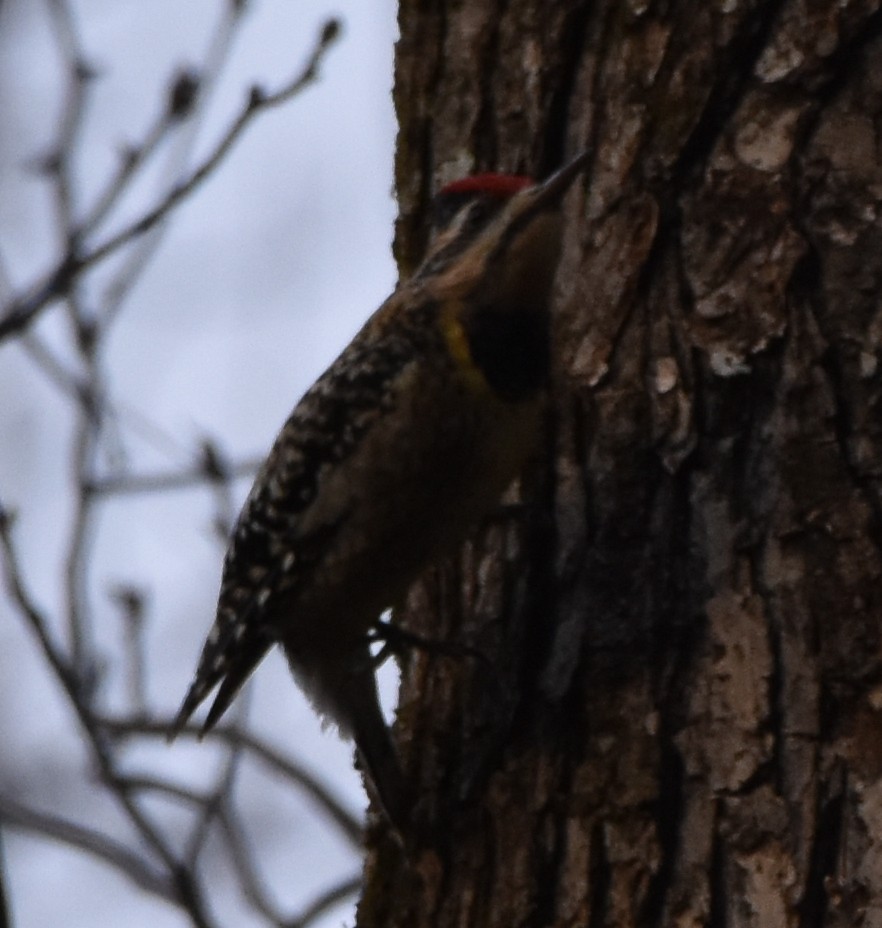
[
  {"x": 24, "y": 310},
  {"x": 131, "y": 602},
  {"x": 161, "y": 482},
  {"x": 161, "y": 860},
  {"x": 17, "y": 815},
  {"x": 59, "y": 167},
  {"x": 188, "y": 99},
  {"x": 26, "y": 606},
  {"x": 132, "y": 159},
  {"x": 79, "y": 547},
  {"x": 188, "y": 892},
  {"x": 348, "y": 824},
  {"x": 149, "y": 783},
  {"x": 80, "y": 72},
  {"x": 327, "y": 900},
  {"x": 211, "y": 809},
  {"x": 258, "y": 102},
  {"x": 55, "y": 370},
  {"x": 249, "y": 877}
]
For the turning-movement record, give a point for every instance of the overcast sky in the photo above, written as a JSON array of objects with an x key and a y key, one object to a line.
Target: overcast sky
[{"x": 261, "y": 280}]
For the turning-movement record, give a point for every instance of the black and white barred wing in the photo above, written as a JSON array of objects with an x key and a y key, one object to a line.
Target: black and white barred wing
[{"x": 270, "y": 554}]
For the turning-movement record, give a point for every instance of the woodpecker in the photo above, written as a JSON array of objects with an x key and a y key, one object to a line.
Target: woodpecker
[{"x": 400, "y": 448}]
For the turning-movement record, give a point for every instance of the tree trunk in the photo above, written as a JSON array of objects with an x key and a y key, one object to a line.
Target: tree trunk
[{"x": 680, "y": 723}]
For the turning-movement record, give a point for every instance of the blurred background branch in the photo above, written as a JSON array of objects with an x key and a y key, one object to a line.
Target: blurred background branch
[
  {"x": 173, "y": 832},
  {"x": 184, "y": 105}
]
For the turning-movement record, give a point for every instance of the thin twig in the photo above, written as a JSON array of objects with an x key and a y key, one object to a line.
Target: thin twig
[
  {"x": 348, "y": 824},
  {"x": 215, "y": 465},
  {"x": 221, "y": 792},
  {"x": 188, "y": 894},
  {"x": 243, "y": 861},
  {"x": 258, "y": 101},
  {"x": 126, "y": 417},
  {"x": 122, "y": 858},
  {"x": 22, "y": 311},
  {"x": 152, "y": 784},
  {"x": 22, "y": 599},
  {"x": 188, "y": 102},
  {"x": 59, "y": 166},
  {"x": 56, "y": 371},
  {"x": 158, "y": 866},
  {"x": 131, "y": 602},
  {"x": 131, "y": 160},
  {"x": 130, "y": 484},
  {"x": 80, "y": 73},
  {"x": 79, "y": 548},
  {"x": 325, "y": 901}
]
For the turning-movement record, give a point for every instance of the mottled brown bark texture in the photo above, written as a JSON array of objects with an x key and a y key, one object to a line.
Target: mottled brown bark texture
[{"x": 678, "y": 721}]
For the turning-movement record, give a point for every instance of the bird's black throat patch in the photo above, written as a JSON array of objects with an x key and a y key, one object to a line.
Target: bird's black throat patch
[{"x": 511, "y": 350}]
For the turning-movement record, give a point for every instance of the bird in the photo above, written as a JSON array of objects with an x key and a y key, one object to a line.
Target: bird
[{"x": 390, "y": 459}]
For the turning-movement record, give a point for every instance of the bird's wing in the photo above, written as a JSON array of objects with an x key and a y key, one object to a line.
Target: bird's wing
[{"x": 270, "y": 555}]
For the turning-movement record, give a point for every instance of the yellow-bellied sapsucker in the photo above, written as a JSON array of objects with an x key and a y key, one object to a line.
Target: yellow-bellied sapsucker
[{"x": 398, "y": 450}]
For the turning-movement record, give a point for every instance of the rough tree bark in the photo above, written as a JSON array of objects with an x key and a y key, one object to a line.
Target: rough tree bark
[{"x": 683, "y": 723}]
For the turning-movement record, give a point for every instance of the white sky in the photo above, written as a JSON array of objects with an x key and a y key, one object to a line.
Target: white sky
[{"x": 261, "y": 280}]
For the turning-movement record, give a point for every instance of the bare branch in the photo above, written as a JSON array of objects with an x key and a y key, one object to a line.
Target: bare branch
[
  {"x": 60, "y": 169},
  {"x": 249, "y": 878},
  {"x": 58, "y": 164},
  {"x": 169, "y": 480},
  {"x": 188, "y": 895},
  {"x": 347, "y": 823},
  {"x": 22, "y": 599},
  {"x": 156, "y": 859},
  {"x": 187, "y": 102},
  {"x": 56, "y": 371},
  {"x": 79, "y": 547},
  {"x": 223, "y": 789},
  {"x": 22, "y": 311},
  {"x": 287, "y": 768},
  {"x": 325, "y": 901},
  {"x": 131, "y": 602},
  {"x": 152, "y": 784},
  {"x": 186, "y": 90},
  {"x": 122, "y": 858},
  {"x": 132, "y": 159},
  {"x": 258, "y": 102},
  {"x": 205, "y": 472}
]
